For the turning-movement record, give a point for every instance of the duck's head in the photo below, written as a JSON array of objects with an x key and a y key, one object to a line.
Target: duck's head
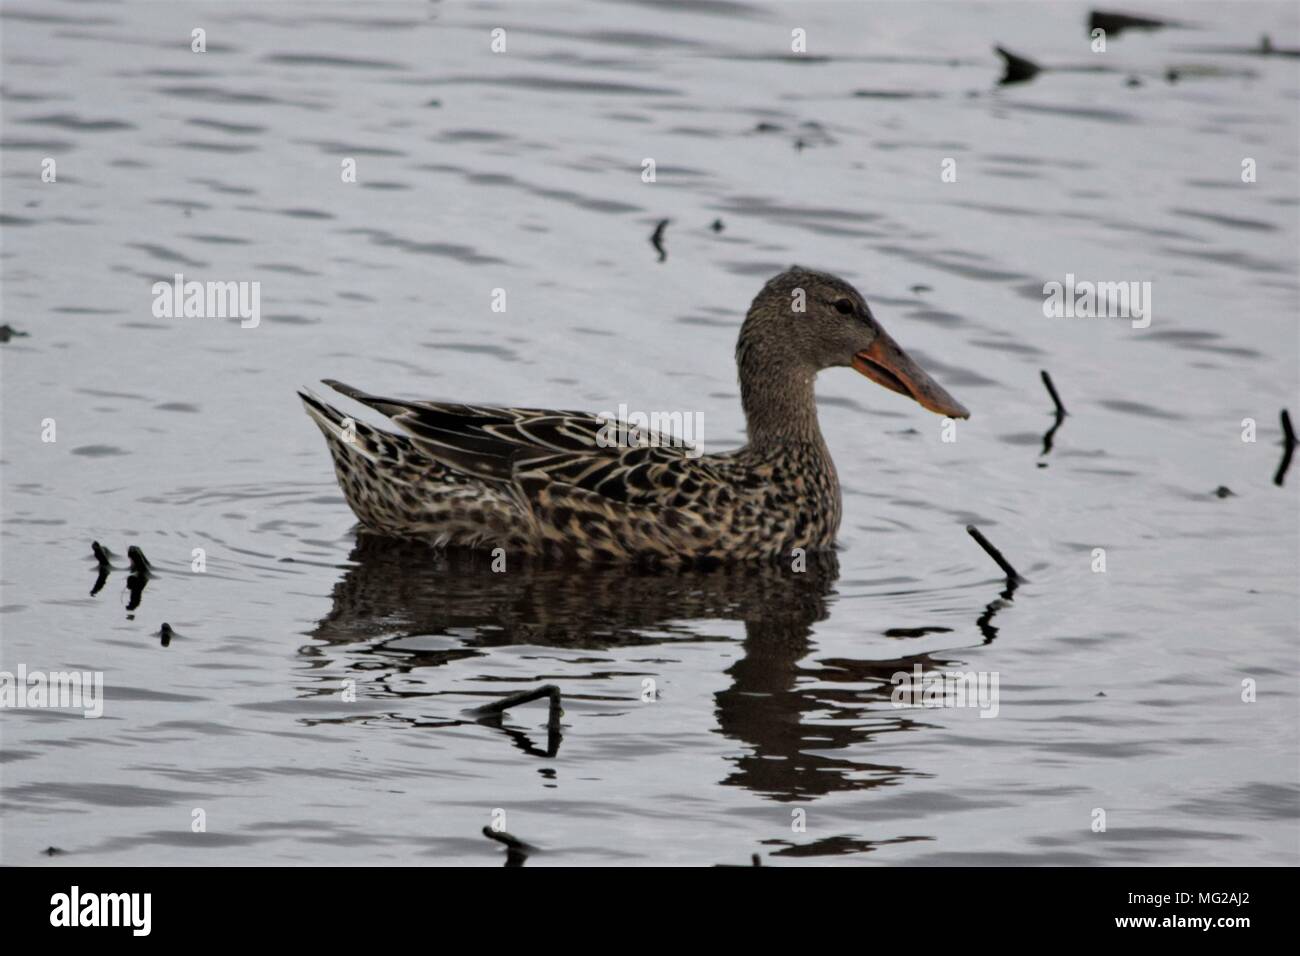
[{"x": 806, "y": 321}]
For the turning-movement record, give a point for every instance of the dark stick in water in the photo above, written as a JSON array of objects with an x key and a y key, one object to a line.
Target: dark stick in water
[
  {"x": 1060, "y": 412},
  {"x": 994, "y": 553},
  {"x": 516, "y": 849},
  {"x": 103, "y": 559},
  {"x": 498, "y": 707},
  {"x": 1051, "y": 390},
  {"x": 139, "y": 563},
  {"x": 657, "y": 240},
  {"x": 1016, "y": 69},
  {"x": 1289, "y": 440}
]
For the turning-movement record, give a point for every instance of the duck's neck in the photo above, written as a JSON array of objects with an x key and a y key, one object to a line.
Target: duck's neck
[{"x": 777, "y": 395}]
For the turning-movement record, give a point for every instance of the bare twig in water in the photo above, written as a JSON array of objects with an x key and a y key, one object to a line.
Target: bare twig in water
[
  {"x": 139, "y": 563},
  {"x": 1016, "y": 69},
  {"x": 102, "y": 558},
  {"x": 141, "y": 572},
  {"x": 1060, "y": 412},
  {"x": 994, "y": 553},
  {"x": 657, "y": 239},
  {"x": 498, "y": 707},
  {"x": 1289, "y": 440},
  {"x": 516, "y": 849},
  {"x": 1051, "y": 390},
  {"x": 1117, "y": 23},
  {"x": 985, "y": 621}
]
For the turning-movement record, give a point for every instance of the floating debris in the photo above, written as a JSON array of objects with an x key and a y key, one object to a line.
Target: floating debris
[
  {"x": 1060, "y": 411},
  {"x": 994, "y": 553},
  {"x": 717, "y": 225},
  {"x": 103, "y": 558},
  {"x": 8, "y": 332},
  {"x": 985, "y": 621},
  {"x": 1289, "y": 441},
  {"x": 1116, "y": 23},
  {"x": 1051, "y": 390},
  {"x": 139, "y": 563},
  {"x": 1223, "y": 491},
  {"x": 166, "y": 634},
  {"x": 1265, "y": 47},
  {"x": 657, "y": 239},
  {"x": 499, "y": 707},
  {"x": 141, "y": 571},
  {"x": 1017, "y": 69},
  {"x": 54, "y": 851},
  {"x": 492, "y": 714},
  {"x": 517, "y": 851},
  {"x": 919, "y": 288}
]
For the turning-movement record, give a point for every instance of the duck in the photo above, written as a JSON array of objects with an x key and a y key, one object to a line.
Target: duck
[{"x": 554, "y": 484}]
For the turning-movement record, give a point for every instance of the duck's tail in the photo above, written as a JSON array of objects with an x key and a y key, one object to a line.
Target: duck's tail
[
  {"x": 369, "y": 462},
  {"x": 395, "y": 488}
]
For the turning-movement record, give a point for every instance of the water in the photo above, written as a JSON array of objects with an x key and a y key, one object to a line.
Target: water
[{"x": 521, "y": 171}]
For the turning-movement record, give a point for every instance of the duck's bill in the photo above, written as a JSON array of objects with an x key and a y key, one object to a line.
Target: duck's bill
[{"x": 888, "y": 365}]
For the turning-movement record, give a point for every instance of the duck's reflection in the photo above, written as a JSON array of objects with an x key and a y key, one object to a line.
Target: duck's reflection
[{"x": 804, "y": 724}]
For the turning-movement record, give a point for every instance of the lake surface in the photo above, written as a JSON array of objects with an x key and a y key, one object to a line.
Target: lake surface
[{"x": 769, "y": 726}]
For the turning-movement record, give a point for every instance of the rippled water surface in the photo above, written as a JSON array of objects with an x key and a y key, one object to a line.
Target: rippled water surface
[{"x": 1120, "y": 691}]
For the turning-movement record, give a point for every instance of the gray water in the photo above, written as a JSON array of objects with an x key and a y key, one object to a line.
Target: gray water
[{"x": 771, "y": 729}]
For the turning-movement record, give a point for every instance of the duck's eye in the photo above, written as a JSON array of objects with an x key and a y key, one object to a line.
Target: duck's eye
[{"x": 843, "y": 306}]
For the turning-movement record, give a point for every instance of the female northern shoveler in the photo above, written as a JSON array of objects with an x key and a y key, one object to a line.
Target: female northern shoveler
[{"x": 540, "y": 482}]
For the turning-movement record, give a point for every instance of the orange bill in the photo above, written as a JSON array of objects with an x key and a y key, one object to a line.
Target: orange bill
[{"x": 888, "y": 365}]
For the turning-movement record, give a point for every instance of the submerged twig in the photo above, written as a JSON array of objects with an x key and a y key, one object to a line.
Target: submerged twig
[
  {"x": 139, "y": 563},
  {"x": 985, "y": 621},
  {"x": 1051, "y": 390},
  {"x": 516, "y": 849},
  {"x": 141, "y": 572},
  {"x": 994, "y": 553},
  {"x": 1289, "y": 440},
  {"x": 657, "y": 239},
  {"x": 1060, "y": 411},
  {"x": 498, "y": 707},
  {"x": 1016, "y": 69},
  {"x": 105, "y": 565}
]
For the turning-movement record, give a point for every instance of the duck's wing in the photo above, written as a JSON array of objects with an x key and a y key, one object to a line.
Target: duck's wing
[{"x": 567, "y": 448}]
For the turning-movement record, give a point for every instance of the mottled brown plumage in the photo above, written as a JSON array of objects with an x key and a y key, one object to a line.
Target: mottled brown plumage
[{"x": 540, "y": 482}]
